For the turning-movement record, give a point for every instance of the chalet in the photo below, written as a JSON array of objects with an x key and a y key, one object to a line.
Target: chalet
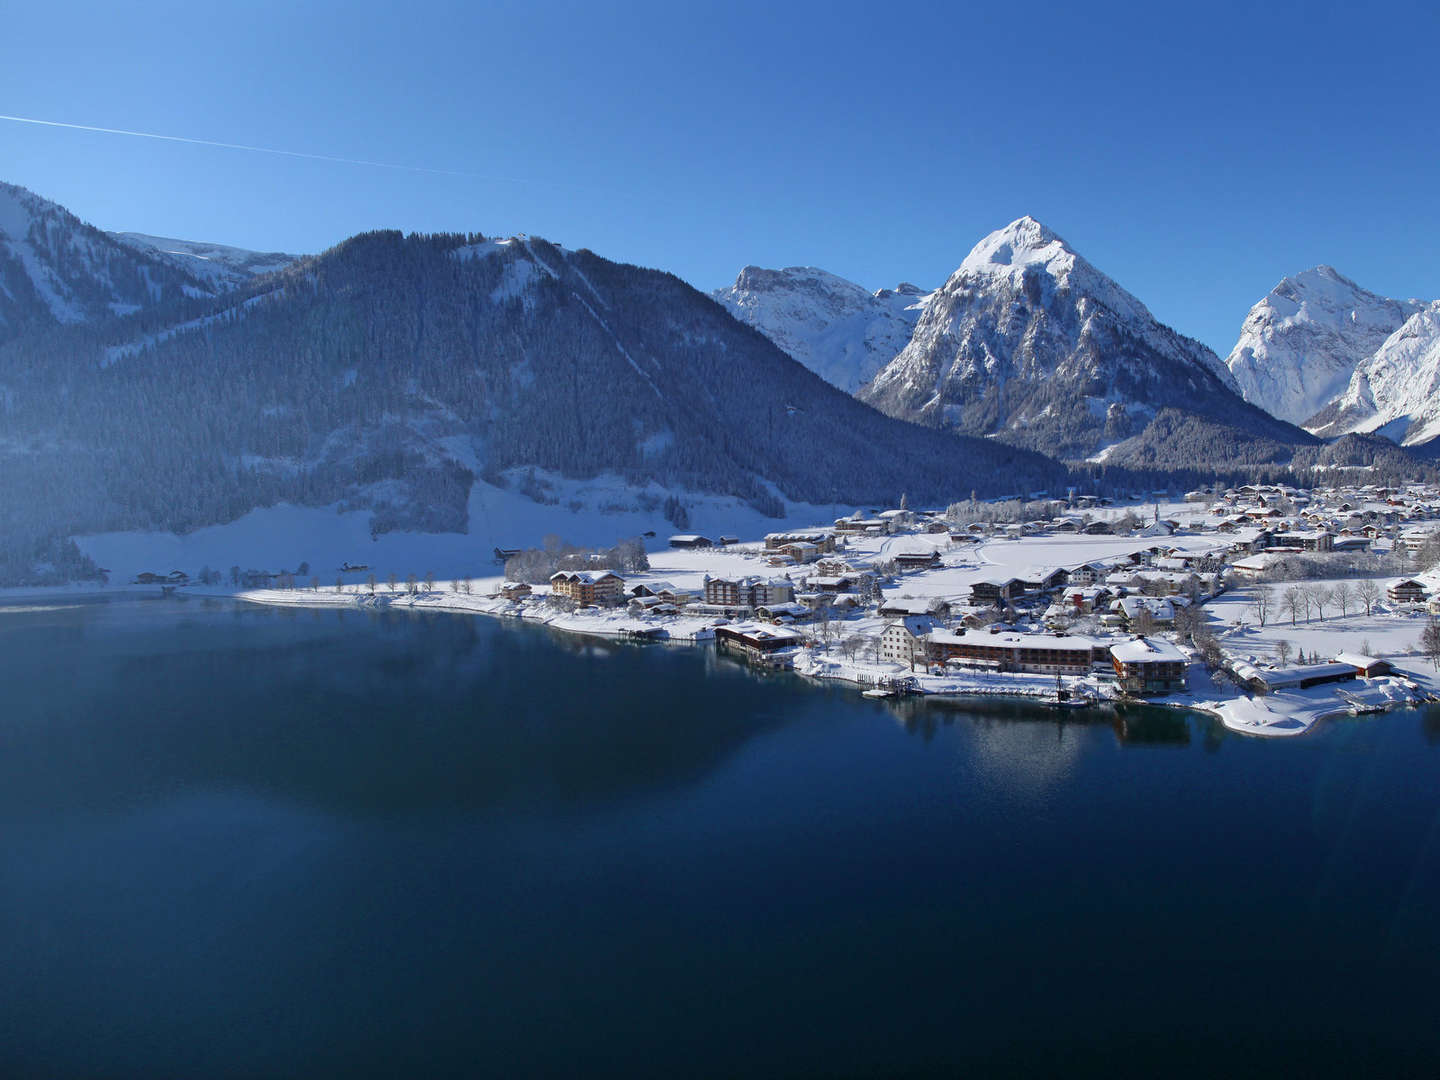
[
  {"x": 917, "y": 560},
  {"x": 861, "y": 525},
  {"x": 999, "y": 590},
  {"x": 587, "y": 587},
  {"x": 1085, "y": 599},
  {"x": 800, "y": 551},
  {"x": 823, "y": 539},
  {"x": 1412, "y": 540},
  {"x": 1366, "y": 667},
  {"x": 1146, "y": 666},
  {"x": 690, "y": 540},
  {"x": 935, "y": 606},
  {"x": 1090, "y": 574},
  {"x": 833, "y": 583},
  {"x": 762, "y": 645},
  {"x": 1406, "y": 591},
  {"x": 789, "y": 612},
  {"x": 515, "y": 590},
  {"x": 650, "y": 588},
  {"x": 1129, "y": 611},
  {"x": 1042, "y": 578},
  {"x": 904, "y": 640},
  {"x": 650, "y": 605}
]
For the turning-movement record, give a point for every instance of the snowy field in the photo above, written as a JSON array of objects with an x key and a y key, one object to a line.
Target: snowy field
[
  {"x": 1385, "y": 634},
  {"x": 591, "y": 513}
]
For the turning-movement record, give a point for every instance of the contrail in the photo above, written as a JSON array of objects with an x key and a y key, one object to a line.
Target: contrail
[{"x": 260, "y": 149}]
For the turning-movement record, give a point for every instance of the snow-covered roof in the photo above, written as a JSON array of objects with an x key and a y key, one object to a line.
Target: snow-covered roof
[
  {"x": 1358, "y": 660},
  {"x": 1147, "y": 651}
]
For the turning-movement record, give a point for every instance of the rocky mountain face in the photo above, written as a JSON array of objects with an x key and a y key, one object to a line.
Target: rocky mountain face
[
  {"x": 1301, "y": 344},
  {"x": 1029, "y": 343},
  {"x": 1395, "y": 391},
  {"x": 390, "y": 372},
  {"x": 55, "y": 270},
  {"x": 220, "y": 266},
  {"x": 836, "y": 328}
]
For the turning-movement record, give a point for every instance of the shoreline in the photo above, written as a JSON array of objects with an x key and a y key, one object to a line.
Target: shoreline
[
  {"x": 1284, "y": 714},
  {"x": 1300, "y": 713}
]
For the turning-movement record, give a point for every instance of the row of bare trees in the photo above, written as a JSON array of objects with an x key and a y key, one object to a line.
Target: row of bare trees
[{"x": 1307, "y": 598}]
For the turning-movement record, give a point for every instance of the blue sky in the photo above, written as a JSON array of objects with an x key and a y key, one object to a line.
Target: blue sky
[{"x": 1196, "y": 156}]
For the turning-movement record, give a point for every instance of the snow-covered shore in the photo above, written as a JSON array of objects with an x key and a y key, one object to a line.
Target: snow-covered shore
[
  {"x": 844, "y": 650},
  {"x": 1281, "y": 714}
]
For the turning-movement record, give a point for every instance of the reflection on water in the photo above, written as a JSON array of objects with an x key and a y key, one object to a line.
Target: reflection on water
[{"x": 250, "y": 842}]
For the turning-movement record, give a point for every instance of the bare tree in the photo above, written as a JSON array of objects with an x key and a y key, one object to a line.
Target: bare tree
[
  {"x": 1144, "y": 622},
  {"x": 412, "y": 586},
  {"x": 371, "y": 582},
  {"x": 1282, "y": 652},
  {"x": 1322, "y": 595},
  {"x": 315, "y": 583},
  {"x": 1430, "y": 641},
  {"x": 851, "y": 646},
  {"x": 390, "y": 580},
  {"x": 1261, "y": 603},
  {"x": 1294, "y": 598},
  {"x": 1344, "y": 594},
  {"x": 429, "y": 580},
  {"x": 1368, "y": 592}
]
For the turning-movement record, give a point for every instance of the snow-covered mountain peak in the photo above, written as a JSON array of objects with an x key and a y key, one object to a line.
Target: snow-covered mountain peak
[
  {"x": 840, "y": 330},
  {"x": 1300, "y": 345},
  {"x": 1029, "y": 340},
  {"x": 1395, "y": 392},
  {"x": 1024, "y": 242}
]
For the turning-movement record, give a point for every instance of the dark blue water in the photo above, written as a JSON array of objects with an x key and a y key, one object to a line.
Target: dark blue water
[{"x": 250, "y": 842}]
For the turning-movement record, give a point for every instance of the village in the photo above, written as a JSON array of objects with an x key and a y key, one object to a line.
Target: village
[{"x": 1268, "y": 606}]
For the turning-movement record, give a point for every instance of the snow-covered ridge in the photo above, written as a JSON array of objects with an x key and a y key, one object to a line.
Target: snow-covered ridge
[
  {"x": 54, "y": 268},
  {"x": 218, "y": 264},
  {"x": 836, "y": 328},
  {"x": 1301, "y": 344}
]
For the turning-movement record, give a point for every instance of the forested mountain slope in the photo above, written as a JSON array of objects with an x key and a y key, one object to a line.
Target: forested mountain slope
[
  {"x": 55, "y": 270},
  {"x": 385, "y": 373}
]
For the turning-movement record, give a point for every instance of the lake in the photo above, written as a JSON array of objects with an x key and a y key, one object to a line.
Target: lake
[{"x": 246, "y": 841}]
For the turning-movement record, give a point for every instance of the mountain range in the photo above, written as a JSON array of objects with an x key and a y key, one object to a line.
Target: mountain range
[
  {"x": 837, "y": 329},
  {"x": 392, "y": 374},
  {"x": 157, "y": 384}
]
